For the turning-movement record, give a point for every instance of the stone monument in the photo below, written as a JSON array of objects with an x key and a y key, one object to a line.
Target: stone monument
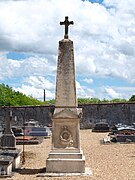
[
  {"x": 8, "y": 140},
  {"x": 10, "y": 156},
  {"x": 66, "y": 155}
]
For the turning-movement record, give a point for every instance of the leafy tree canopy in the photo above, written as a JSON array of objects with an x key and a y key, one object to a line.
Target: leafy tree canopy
[
  {"x": 97, "y": 101},
  {"x": 9, "y": 97},
  {"x": 132, "y": 98}
]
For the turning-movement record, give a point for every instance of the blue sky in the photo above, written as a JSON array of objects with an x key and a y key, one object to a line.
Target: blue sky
[{"x": 104, "y": 45}]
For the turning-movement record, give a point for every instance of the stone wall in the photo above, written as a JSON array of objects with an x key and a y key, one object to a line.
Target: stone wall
[
  {"x": 111, "y": 113},
  {"x": 92, "y": 113},
  {"x": 23, "y": 114}
]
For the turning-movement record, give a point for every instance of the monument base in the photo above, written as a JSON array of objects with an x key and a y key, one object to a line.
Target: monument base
[
  {"x": 88, "y": 172},
  {"x": 65, "y": 162},
  {"x": 6, "y": 165},
  {"x": 10, "y": 160}
]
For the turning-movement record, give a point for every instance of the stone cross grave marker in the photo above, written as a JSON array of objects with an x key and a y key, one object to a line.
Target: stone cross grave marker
[{"x": 8, "y": 140}]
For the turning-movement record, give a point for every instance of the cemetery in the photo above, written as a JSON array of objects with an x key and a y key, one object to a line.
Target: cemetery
[
  {"x": 70, "y": 152},
  {"x": 106, "y": 161}
]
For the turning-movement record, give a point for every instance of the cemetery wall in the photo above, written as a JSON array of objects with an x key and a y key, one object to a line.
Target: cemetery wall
[
  {"x": 111, "y": 113},
  {"x": 26, "y": 113},
  {"x": 92, "y": 113}
]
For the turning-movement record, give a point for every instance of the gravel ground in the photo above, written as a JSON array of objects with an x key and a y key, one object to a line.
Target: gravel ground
[{"x": 108, "y": 162}]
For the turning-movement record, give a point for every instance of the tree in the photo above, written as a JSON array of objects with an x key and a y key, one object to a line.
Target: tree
[
  {"x": 132, "y": 98},
  {"x": 9, "y": 97},
  {"x": 88, "y": 100}
]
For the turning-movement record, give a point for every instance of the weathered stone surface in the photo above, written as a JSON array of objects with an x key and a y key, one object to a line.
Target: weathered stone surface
[
  {"x": 65, "y": 86},
  {"x": 66, "y": 133}
]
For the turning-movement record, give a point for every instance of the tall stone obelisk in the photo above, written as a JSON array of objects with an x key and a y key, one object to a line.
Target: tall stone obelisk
[{"x": 66, "y": 155}]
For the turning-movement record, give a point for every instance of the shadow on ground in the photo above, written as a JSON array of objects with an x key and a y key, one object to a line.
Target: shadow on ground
[{"x": 31, "y": 171}]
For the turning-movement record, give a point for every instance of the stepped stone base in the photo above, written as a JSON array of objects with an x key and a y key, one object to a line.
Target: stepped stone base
[
  {"x": 16, "y": 154},
  {"x": 6, "y": 165},
  {"x": 65, "y": 162},
  {"x": 88, "y": 172}
]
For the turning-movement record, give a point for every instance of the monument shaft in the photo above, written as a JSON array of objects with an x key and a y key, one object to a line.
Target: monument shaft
[{"x": 65, "y": 86}]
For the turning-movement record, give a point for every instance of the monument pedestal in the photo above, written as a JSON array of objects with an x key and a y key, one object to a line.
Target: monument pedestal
[
  {"x": 66, "y": 162},
  {"x": 66, "y": 155},
  {"x": 66, "y": 166}
]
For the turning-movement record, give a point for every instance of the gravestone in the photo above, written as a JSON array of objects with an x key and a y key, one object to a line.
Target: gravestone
[
  {"x": 66, "y": 155},
  {"x": 8, "y": 140},
  {"x": 10, "y": 156},
  {"x": 101, "y": 127},
  {"x": 123, "y": 134}
]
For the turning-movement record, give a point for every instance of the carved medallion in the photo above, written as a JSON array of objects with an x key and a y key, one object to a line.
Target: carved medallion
[{"x": 66, "y": 137}]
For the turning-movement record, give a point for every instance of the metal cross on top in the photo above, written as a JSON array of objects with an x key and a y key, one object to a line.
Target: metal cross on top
[{"x": 66, "y": 23}]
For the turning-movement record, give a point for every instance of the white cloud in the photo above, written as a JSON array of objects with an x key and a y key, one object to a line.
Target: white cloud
[
  {"x": 34, "y": 65},
  {"x": 4, "y": 66},
  {"x": 84, "y": 91},
  {"x": 39, "y": 82},
  {"x": 125, "y": 92},
  {"x": 80, "y": 91},
  {"x": 34, "y": 92},
  {"x": 88, "y": 80},
  {"x": 103, "y": 35},
  {"x": 111, "y": 93}
]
